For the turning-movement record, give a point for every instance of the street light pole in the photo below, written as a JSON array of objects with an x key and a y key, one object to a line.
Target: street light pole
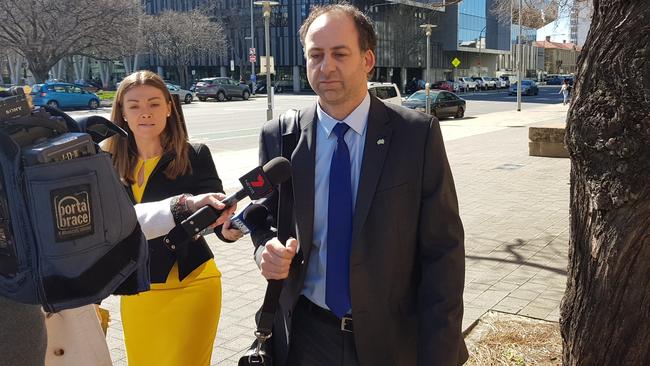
[
  {"x": 427, "y": 31},
  {"x": 519, "y": 63},
  {"x": 253, "y": 78},
  {"x": 267, "y": 49},
  {"x": 480, "y": 46}
]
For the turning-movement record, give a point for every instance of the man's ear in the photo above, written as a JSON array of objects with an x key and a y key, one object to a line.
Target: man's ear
[{"x": 369, "y": 61}]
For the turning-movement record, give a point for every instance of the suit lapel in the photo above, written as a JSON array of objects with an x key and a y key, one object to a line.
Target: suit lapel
[
  {"x": 374, "y": 153},
  {"x": 303, "y": 163}
]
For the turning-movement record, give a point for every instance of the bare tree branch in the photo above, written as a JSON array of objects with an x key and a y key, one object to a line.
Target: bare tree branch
[
  {"x": 179, "y": 38},
  {"x": 45, "y": 31},
  {"x": 536, "y": 13}
]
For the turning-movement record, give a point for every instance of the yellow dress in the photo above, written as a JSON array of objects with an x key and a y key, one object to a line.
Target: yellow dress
[{"x": 174, "y": 323}]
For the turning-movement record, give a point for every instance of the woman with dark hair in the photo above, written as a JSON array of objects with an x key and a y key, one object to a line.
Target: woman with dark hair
[{"x": 176, "y": 322}]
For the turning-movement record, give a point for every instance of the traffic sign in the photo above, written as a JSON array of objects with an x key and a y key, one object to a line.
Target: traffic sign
[
  {"x": 252, "y": 58},
  {"x": 251, "y": 51},
  {"x": 455, "y": 62},
  {"x": 263, "y": 65}
]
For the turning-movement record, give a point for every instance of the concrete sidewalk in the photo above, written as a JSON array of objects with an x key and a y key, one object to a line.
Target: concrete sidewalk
[{"x": 515, "y": 212}]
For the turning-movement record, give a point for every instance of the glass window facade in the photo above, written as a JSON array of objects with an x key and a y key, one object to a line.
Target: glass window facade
[
  {"x": 401, "y": 42},
  {"x": 527, "y": 34},
  {"x": 471, "y": 22}
]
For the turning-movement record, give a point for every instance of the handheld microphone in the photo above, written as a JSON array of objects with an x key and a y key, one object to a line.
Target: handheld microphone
[
  {"x": 251, "y": 218},
  {"x": 258, "y": 183},
  {"x": 238, "y": 222}
]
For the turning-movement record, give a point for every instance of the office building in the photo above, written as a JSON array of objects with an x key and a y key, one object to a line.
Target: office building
[{"x": 467, "y": 32}]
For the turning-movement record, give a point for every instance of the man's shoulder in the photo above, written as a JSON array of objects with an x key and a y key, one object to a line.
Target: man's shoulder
[{"x": 272, "y": 127}]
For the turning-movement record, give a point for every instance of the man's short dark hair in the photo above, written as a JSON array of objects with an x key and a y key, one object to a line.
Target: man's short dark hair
[{"x": 363, "y": 24}]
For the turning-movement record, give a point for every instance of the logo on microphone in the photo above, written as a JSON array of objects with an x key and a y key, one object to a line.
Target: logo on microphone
[
  {"x": 256, "y": 183},
  {"x": 259, "y": 182},
  {"x": 72, "y": 212}
]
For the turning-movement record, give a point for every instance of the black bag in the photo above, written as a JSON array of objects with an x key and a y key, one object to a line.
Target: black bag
[
  {"x": 69, "y": 235},
  {"x": 259, "y": 352}
]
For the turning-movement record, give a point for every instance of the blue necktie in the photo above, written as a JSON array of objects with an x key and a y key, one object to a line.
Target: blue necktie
[{"x": 339, "y": 227}]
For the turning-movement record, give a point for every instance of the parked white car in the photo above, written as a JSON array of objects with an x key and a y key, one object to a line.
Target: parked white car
[
  {"x": 505, "y": 80},
  {"x": 388, "y": 92},
  {"x": 487, "y": 82},
  {"x": 185, "y": 95},
  {"x": 467, "y": 83},
  {"x": 480, "y": 83},
  {"x": 498, "y": 83}
]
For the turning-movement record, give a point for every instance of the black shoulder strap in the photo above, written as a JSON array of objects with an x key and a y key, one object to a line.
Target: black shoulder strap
[{"x": 290, "y": 132}]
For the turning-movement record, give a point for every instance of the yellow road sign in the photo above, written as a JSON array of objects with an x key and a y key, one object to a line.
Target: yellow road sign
[{"x": 455, "y": 62}]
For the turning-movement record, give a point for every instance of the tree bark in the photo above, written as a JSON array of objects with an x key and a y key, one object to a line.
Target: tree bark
[
  {"x": 40, "y": 72},
  {"x": 605, "y": 313},
  {"x": 182, "y": 76}
]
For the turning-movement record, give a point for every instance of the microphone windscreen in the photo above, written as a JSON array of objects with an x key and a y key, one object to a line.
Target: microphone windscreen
[
  {"x": 277, "y": 170},
  {"x": 255, "y": 217}
]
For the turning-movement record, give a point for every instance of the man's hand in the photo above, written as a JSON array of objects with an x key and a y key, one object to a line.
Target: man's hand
[
  {"x": 213, "y": 199},
  {"x": 276, "y": 258},
  {"x": 230, "y": 232}
]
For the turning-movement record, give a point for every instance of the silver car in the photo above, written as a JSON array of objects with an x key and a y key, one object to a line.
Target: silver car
[
  {"x": 185, "y": 95},
  {"x": 221, "y": 88}
]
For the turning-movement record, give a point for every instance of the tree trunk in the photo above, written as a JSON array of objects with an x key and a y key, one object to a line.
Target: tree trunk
[
  {"x": 182, "y": 76},
  {"x": 40, "y": 72},
  {"x": 69, "y": 69},
  {"x": 605, "y": 313},
  {"x": 15, "y": 66}
]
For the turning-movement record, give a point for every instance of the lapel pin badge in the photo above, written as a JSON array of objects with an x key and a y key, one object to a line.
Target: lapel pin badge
[{"x": 380, "y": 142}]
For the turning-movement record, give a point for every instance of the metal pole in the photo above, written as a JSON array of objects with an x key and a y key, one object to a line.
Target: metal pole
[
  {"x": 252, "y": 46},
  {"x": 519, "y": 64},
  {"x": 428, "y": 57},
  {"x": 479, "y": 54},
  {"x": 267, "y": 49},
  {"x": 480, "y": 47},
  {"x": 427, "y": 30},
  {"x": 428, "y": 81}
]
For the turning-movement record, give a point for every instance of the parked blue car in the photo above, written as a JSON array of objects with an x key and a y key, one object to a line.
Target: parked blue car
[
  {"x": 529, "y": 87},
  {"x": 63, "y": 95}
]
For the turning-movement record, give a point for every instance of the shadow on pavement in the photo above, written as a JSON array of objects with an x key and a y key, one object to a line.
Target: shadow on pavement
[{"x": 519, "y": 259}]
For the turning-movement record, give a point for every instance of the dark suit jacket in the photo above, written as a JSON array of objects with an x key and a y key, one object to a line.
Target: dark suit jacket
[
  {"x": 407, "y": 260},
  {"x": 203, "y": 179}
]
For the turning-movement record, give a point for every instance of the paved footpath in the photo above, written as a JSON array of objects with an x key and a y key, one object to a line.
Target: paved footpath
[{"x": 514, "y": 208}]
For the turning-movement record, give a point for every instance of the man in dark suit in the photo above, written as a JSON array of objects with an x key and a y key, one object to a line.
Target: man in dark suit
[{"x": 376, "y": 274}]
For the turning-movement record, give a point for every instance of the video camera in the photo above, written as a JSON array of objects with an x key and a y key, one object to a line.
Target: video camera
[{"x": 69, "y": 235}]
